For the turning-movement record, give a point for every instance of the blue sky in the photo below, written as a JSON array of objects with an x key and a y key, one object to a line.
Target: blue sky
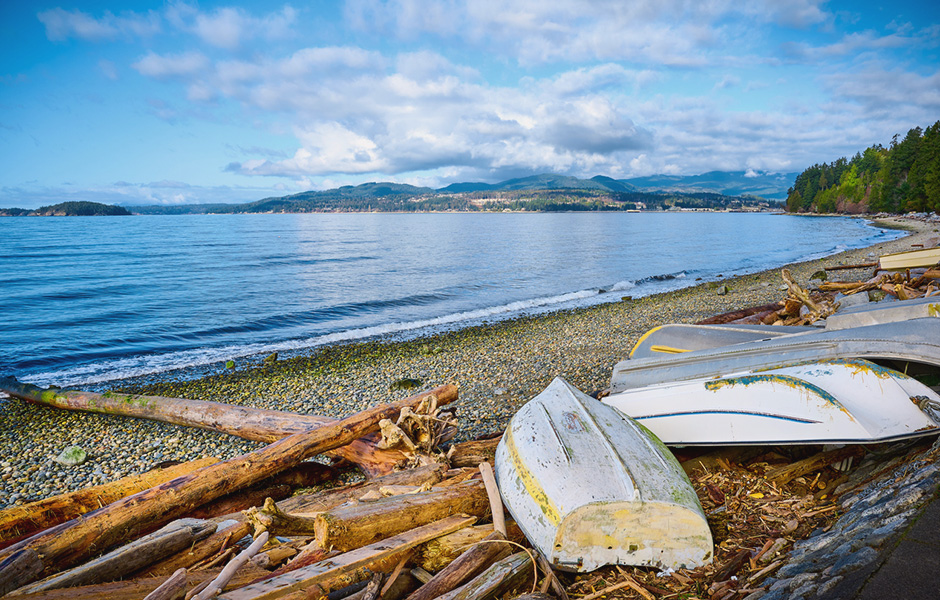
[{"x": 178, "y": 102}]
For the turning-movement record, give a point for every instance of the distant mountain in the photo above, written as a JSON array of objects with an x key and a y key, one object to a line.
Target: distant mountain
[
  {"x": 772, "y": 186},
  {"x": 716, "y": 190}
]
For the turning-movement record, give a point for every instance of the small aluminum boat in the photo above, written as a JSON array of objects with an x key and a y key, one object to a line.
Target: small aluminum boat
[
  {"x": 677, "y": 338},
  {"x": 914, "y": 341},
  {"x": 591, "y": 487},
  {"x": 840, "y": 401},
  {"x": 884, "y": 312}
]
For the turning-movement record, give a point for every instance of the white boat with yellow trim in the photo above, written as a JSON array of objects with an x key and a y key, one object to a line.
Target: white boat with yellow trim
[
  {"x": 835, "y": 401},
  {"x": 678, "y": 338},
  {"x": 591, "y": 487}
]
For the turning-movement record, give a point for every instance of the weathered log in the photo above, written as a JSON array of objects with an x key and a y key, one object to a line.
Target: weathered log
[
  {"x": 352, "y": 526},
  {"x": 799, "y": 292},
  {"x": 437, "y": 554},
  {"x": 201, "y": 550},
  {"x": 232, "y": 567},
  {"x": 738, "y": 314},
  {"x": 240, "y": 500},
  {"x": 270, "y": 518},
  {"x": 270, "y": 559},
  {"x": 24, "y": 564},
  {"x": 256, "y": 424},
  {"x": 858, "y": 266},
  {"x": 468, "y": 565},
  {"x": 471, "y": 454},
  {"x": 128, "y": 558},
  {"x": 135, "y": 589},
  {"x": 327, "y": 499},
  {"x": 19, "y": 522},
  {"x": 786, "y": 473},
  {"x": 503, "y": 576},
  {"x": 62, "y": 547},
  {"x": 320, "y": 578},
  {"x": 173, "y": 588}
]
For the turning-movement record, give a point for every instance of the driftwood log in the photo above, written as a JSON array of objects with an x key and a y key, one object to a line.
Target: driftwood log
[
  {"x": 127, "y": 559},
  {"x": 19, "y": 522},
  {"x": 256, "y": 424},
  {"x": 501, "y": 577},
  {"x": 739, "y": 314},
  {"x": 468, "y": 565},
  {"x": 323, "y": 577},
  {"x": 201, "y": 550},
  {"x": 68, "y": 544}
]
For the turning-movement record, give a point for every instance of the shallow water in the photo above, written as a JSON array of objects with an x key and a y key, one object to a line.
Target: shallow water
[{"x": 91, "y": 299}]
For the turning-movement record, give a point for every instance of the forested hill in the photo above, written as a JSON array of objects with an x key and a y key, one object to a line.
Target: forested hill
[
  {"x": 67, "y": 209},
  {"x": 904, "y": 177}
]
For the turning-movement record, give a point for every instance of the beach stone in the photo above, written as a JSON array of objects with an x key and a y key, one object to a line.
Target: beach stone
[
  {"x": 722, "y": 290},
  {"x": 71, "y": 456},
  {"x": 854, "y": 562},
  {"x": 270, "y": 359}
]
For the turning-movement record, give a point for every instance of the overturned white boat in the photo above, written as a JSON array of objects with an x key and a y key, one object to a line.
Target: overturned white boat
[
  {"x": 678, "y": 338},
  {"x": 838, "y": 401},
  {"x": 913, "y": 342},
  {"x": 590, "y": 487}
]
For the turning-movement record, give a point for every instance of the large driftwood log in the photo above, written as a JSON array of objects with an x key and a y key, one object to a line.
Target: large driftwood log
[
  {"x": 173, "y": 588},
  {"x": 64, "y": 546},
  {"x": 19, "y": 522},
  {"x": 256, "y": 424},
  {"x": 24, "y": 564},
  {"x": 472, "y": 453},
  {"x": 127, "y": 559},
  {"x": 135, "y": 589},
  {"x": 352, "y": 526},
  {"x": 468, "y": 565},
  {"x": 502, "y": 577},
  {"x": 327, "y": 499},
  {"x": 739, "y": 314},
  {"x": 345, "y": 569},
  {"x": 437, "y": 554},
  {"x": 201, "y": 550}
]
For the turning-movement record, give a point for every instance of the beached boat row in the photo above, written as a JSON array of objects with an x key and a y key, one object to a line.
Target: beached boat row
[{"x": 592, "y": 486}]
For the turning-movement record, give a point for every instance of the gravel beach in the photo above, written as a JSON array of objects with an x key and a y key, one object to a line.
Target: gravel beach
[{"x": 497, "y": 368}]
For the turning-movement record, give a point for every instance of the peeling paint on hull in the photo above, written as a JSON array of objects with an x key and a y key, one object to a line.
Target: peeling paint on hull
[
  {"x": 837, "y": 401},
  {"x": 591, "y": 487}
]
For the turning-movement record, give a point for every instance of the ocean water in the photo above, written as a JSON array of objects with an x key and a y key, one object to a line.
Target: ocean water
[{"x": 85, "y": 300}]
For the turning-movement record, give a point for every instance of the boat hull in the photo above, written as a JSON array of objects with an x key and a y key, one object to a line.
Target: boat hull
[
  {"x": 850, "y": 401},
  {"x": 678, "y": 338},
  {"x": 914, "y": 341},
  {"x": 590, "y": 487}
]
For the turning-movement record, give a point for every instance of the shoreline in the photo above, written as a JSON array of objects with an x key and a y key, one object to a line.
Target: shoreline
[{"x": 496, "y": 366}]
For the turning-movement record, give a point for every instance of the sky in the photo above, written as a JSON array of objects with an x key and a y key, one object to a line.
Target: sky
[{"x": 135, "y": 102}]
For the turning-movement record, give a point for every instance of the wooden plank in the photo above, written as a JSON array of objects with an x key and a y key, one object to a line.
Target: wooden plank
[{"x": 325, "y": 573}]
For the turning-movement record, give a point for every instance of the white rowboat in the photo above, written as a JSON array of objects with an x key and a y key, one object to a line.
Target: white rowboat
[
  {"x": 590, "y": 487},
  {"x": 838, "y": 401}
]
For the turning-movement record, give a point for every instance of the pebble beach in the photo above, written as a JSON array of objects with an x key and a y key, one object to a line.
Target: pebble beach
[{"x": 497, "y": 368}]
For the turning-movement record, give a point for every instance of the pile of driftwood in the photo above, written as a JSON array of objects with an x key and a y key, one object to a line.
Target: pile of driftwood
[
  {"x": 904, "y": 285},
  {"x": 804, "y": 307},
  {"x": 423, "y": 524}
]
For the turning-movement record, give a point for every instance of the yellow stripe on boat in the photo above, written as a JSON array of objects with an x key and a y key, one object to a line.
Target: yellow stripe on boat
[
  {"x": 667, "y": 349},
  {"x": 643, "y": 338},
  {"x": 531, "y": 485}
]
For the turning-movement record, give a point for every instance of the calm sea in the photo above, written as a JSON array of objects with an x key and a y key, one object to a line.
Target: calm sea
[{"x": 91, "y": 299}]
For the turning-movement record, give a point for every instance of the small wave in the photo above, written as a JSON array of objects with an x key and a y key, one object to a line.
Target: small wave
[{"x": 143, "y": 365}]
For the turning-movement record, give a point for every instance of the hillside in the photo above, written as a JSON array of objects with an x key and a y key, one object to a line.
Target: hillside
[
  {"x": 68, "y": 209},
  {"x": 772, "y": 186},
  {"x": 545, "y": 192},
  {"x": 904, "y": 177}
]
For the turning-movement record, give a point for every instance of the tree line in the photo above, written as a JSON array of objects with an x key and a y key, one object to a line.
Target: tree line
[{"x": 904, "y": 177}]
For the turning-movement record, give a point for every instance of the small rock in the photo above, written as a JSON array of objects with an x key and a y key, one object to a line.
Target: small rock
[
  {"x": 722, "y": 290},
  {"x": 500, "y": 391},
  {"x": 405, "y": 383},
  {"x": 71, "y": 456},
  {"x": 270, "y": 359},
  {"x": 230, "y": 364}
]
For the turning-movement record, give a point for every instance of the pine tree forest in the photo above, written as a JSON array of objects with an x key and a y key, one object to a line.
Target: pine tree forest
[{"x": 902, "y": 178}]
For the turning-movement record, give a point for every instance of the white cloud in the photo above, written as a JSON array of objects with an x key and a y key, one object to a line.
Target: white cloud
[
  {"x": 229, "y": 27},
  {"x": 175, "y": 65},
  {"x": 62, "y": 24}
]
